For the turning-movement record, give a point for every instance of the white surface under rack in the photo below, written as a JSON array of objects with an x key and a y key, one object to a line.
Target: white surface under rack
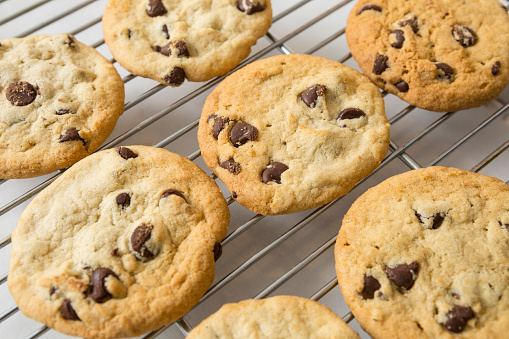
[{"x": 262, "y": 256}]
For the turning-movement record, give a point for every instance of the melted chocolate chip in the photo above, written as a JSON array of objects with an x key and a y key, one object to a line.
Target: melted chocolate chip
[
  {"x": 128, "y": 33},
  {"x": 52, "y": 290},
  {"x": 180, "y": 45},
  {"x": 403, "y": 275},
  {"x": 506, "y": 226},
  {"x": 464, "y": 35},
  {"x": 126, "y": 153},
  {"x": 20, "y": 93},
  {"x": 219, "y": 124},
  {"x": 70, "y": 135},
  {"x": 171, "y": 191},
  {"x": 114, "y": 252},
  {"x": 165, "y": 31},
  {"x": 139, "y": 237},
  {"x": 457, "y": 318},
  {"x": 310, "y": 96},
  {"x": 380, "y": 64},
  {"x": 63, "y": 111},
  {"x": 243, "y": 132},
  {"x": 438, "y": 218},
  {"x": 370, "y": 8},
  {"x": 176, "y": 77},
  {"x": 71, "y": 42},
  {"x": 234, "y": 195},
  {"x": 123, "y": 200},
  {"x": 495, "y": 68},
  {"x": 402, "y": 86},
  {"x": 273, "y": 172},
  {"x": 218, "y": 250},
  {"x": 351, "y": 113},
  {"x": 155, "y": 8},
  {"x": 99, "y": 292},
  {"x": 410, "y": 20},
  {"x": 400, "y": 38},
  {"x": 445, "y": 72},
  {"x": 232, "y": 166},
  {"x": 250, "y": 7},
  {"x": 68, "y": 313},
  {"x": 371, "y": 285}
]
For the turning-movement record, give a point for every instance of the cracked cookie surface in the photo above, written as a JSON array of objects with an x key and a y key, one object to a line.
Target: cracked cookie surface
[
  {"x": 442, "y": 55},
  {"x": 425, "y": 254},
  {"x": 173, "y": 40},
  {"x": 59, "y": 101},
  {"x": 293, "y": 132},
  {"x": 121, "y": 243}
]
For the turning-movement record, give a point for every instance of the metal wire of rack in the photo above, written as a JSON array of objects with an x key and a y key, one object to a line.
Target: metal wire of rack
[{"x": 289, "y": 254}]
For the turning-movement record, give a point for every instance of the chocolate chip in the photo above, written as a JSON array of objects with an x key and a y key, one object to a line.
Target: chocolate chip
[
  {"x": 380, "y": 64},
  {"x": 20, "y": 93},
  {"x": 52, "y": 290},
  {"x": 99, "y": 292},
  {"x": 371, "y": 285},
  {"x": 403, "y": 275},
  {"x": 400, "y": 38},
  {"x": 464, "y": 35},
  {"x": 455, "y": 295},
  {"x": 155, "y": 8},
  {"x": 411, "y": 21},
  {"x": 310, "y": 96},
  {"x": 176, "y": 77},
  {"x": 232, "y": 166},
  {"x": 165, "y": 30},
  {"x": 370, "y": 8},
  {"x": 171, "y": 191},
  {"x": 243, "y": 132},
  {"x": 457, "y": 318},
  {"x": 68, "y": 313},
  {"x": 506, "y": 226},
  {"x": 445, "y": 71},
  {"x": 273, "y": 172},
  {"x": 402, "y": 86},
  {"x": 70, "y": 135},
  {"x": 180, "y": 45},
  {"x": 218, "y": 250},
  {"x": 219, "y": 124},
  {"x": 438, "y": 218},
  {"x": 63, "y": 111},
  {"x": 234, "y": 195},
  {"x": 351, "y": 113},
  {"x": 128, "y": 33},
  {"x": 139, "y": 237},
  {"x": 123, "y": 200},
  {"x": 114, "y": 252},
  {"x": 71, "y": 42},
  {"x": 250, "y": 7},
  {"x": 495, "y": 68},
  {"x": 126, "y": 153}
]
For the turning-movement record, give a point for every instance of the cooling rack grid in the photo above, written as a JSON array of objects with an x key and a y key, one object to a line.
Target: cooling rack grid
[{"x": 262, "y": 256}]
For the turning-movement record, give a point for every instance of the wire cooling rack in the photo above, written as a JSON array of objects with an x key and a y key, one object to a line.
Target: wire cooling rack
[{"x": 262, "y": 256}]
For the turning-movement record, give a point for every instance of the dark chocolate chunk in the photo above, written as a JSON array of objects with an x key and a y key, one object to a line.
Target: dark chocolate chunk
[
  {"x": 176, "y": 77},
  {"x": 63, "y": 111},
  {"x": 250, "y": 7},
  {"x": 402, "y": 86},
  {"x": 400, "y": 38},
  {"x": 242, "y": 132},
  {"x": 218, "y": 250},
  {"x": 126, "y": 153},
  {"x": 273, "y": 172},
  {"x": 232, "y": 166},
  {"x": 403, "y": 275},
  {"x": 438, "y": 218},
  {"x": 445, "y": 71},
  {"x": 99, "y": 292},
  {"x": 219, "y": 124},
  {"x": 411, "y": 21},
  {"x": 70, "y": 135},
  {"x": 71, "y": 42},
  {"x": 171, "y": 191},
  {"x": 464, "y": 35},
  {"x": 20, "y": 93},
  {"x": 370, "y": 8},
  {"x": 123, "y": 200},
  {"x": 180, "y": 45},
  {"x": 165, "y": 31},
  {"x": 139, "y": 237},
  {"x": 351, "y": 113},
  {"x": 371, "y": 285},
  {"x": 68, "y": 313},
  {"x": 234, "y": 195},
  {"x": 495, "y": 68},
  {"x": 155, "y": 8},
  {"x": 380, "y": 64},
  {"x": 457, "y": 318},
  {"x": 310, "y": 96}
]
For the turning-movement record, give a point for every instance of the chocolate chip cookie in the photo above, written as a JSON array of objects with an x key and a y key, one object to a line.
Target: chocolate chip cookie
[
  {"x": 276, "y": 317},
  {"x": 121, "y": 243},
  {"x": 425, "y": 254},
  {"x": 293, "y": 132},
  {"x": 59, "y": 101},
  {"x": 443, "y": 55},
  {"x": 173, "y": 40}
]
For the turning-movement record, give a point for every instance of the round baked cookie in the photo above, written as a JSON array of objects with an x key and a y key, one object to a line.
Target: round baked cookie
[
  {"x": 425, "y": 254},
  {"x": 173, "y": 40},
  {"x": 276, "y": 317},
  {"x": 444, "y": 55},
  {"x": 59, "y": 101},
  {"x": 293, "y": 132},
  {"x": 122, "y": 243}
]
